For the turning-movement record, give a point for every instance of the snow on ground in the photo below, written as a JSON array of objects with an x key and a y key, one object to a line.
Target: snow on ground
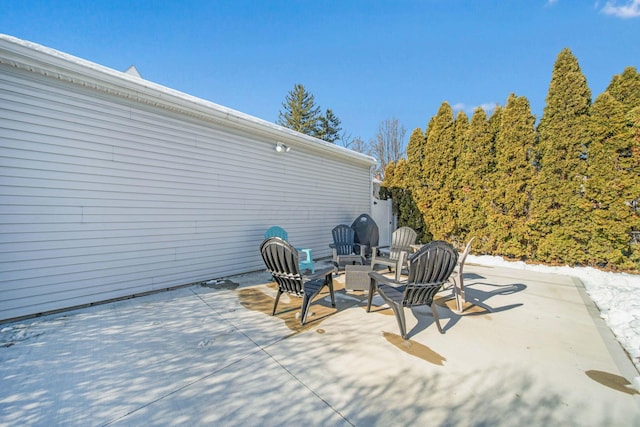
[{"x": 617, "y": 296}]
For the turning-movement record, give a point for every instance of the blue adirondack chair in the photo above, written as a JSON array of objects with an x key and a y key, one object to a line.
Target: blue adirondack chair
[{"x": 307, "y": 262}]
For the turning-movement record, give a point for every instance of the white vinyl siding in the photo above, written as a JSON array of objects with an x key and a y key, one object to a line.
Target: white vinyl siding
[{"x": 104, "y": 197}]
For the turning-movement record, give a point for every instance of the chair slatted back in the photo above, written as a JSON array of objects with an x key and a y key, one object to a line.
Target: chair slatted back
[
  {"x": 343, "y": 239},
  {"x": 401, "y": 240},
  {"x": 281, "y": 260},
  {"x": 429, "y": 269}
]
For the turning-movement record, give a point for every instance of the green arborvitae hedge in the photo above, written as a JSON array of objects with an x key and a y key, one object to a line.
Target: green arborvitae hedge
[{"x": 566, "y": 191}]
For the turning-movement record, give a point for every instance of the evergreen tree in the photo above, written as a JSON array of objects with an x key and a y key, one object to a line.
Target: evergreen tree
[
  {"x": 633, "y": 122},
  {"x": 475, "y": 166},
  {"x": 299, "y": 111},
  {"x": 568, "y": 193},
  {"x": 461, "y": 128},
  {"x": 408, "y": 205},
  {"x": 625, "y": 88},
  {"x": 436, "y": 193},
  {"x": 559, "y": 213},
  {"x": 495, "y": 121},
  {"x": 612, "y": 184},
  {"x": 512, "y": 179},
  {"x": 415, "y": 150},
  {"x": 328, "y": 128},
  {"x": 397, "y": 186},
  {"x": 460, "y": 146}
]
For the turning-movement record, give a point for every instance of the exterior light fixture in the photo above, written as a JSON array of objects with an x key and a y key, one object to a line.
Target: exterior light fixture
[{"x": 282, "y": 148}]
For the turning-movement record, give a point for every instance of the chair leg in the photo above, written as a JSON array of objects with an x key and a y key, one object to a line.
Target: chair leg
[
  {"x": 434, "y": 310},
  {"x": 275, "y": 304},
  {"x": 306, "y": 302},
  {"x": 330, "y": 285},
  {"x": 458, "y": 293},
  {"x": 398, "y": 310},
  {"x": 372, "y": 287}
]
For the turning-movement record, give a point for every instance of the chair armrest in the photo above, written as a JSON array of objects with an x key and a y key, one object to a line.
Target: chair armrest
[
  {"x": 319, "y": 274},
  {"x": 363, "y": 250},
  {"x": 381, "y": 249},
  {"x": 307, "y": 252},
  {"x": 402, "y": 258},
  {"x": 379, "y": 278}
]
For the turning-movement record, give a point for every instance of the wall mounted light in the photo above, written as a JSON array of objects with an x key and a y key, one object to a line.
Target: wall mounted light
[{"x": 282, "y": 148}]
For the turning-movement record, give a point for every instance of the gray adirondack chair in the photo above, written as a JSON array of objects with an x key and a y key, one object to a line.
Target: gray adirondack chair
[
  {"x": 344, "y": 247},
  {"x": 281, "y": 260},
  {"x": 398, "y": 252},
  {"x": 429, "y": 270}
]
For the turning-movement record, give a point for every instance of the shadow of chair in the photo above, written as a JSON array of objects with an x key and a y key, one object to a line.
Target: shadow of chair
[
  {"x": 367, "y": 233},
  {"x": 458, "y": 285},
  {"x": 429, "y": 269},
  {"x": 478, "y": 295},
  {"x": 281, "y": 260},
  {"x": 396, "y": 257},
  {"x": 277, "y": 231},
  {"x": 344, "y": 246}
]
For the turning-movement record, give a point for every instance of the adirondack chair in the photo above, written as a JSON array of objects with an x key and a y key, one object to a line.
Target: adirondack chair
[
  {"x": 281, "y": 260},
  {"x": 401, "y": 241},
  {"x": 344, "y": 247},
  {"x": 277, "y": 231},
  {"x": 429, "y": 270}
]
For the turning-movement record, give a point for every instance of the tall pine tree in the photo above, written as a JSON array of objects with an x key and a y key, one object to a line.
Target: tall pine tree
[
  {"x": 559, "y": 214},
  {"x": 328, "y": 128},
  {"x": 436, "y": 192},
  {"x": 475, "y": 166},
  {"x": 299, "y": 111},
  {"x": 512, "y": 179},
  {"x": 412, "y": 216},
  {"x": 397, "y": 185},
  {"x": 625, "y": 88},
  {"x": 414, "y": 183},
  {"x": 461, "y": 127},
  {"x": 415, "y": 149},
  {"x": 611, "y": 185}
]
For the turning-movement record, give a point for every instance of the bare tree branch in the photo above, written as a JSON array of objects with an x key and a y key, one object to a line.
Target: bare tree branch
[{"x": 389, "y": 143}]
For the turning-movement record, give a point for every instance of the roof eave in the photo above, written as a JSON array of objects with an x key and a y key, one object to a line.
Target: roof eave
[{"x": 50, "y": 62}]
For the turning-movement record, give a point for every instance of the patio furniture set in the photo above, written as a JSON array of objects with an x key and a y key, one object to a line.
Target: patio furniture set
[{"x": 355, "y": 247}]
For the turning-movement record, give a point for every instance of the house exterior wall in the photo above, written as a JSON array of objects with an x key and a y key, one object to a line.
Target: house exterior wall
[{"x": 112, "y": 186}]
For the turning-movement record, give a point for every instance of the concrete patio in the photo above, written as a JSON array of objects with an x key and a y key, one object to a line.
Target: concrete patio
[{"x": 531, "y": 351}]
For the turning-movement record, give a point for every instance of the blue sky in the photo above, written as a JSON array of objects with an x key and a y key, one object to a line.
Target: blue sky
[{"x": 366, "y": 60}]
